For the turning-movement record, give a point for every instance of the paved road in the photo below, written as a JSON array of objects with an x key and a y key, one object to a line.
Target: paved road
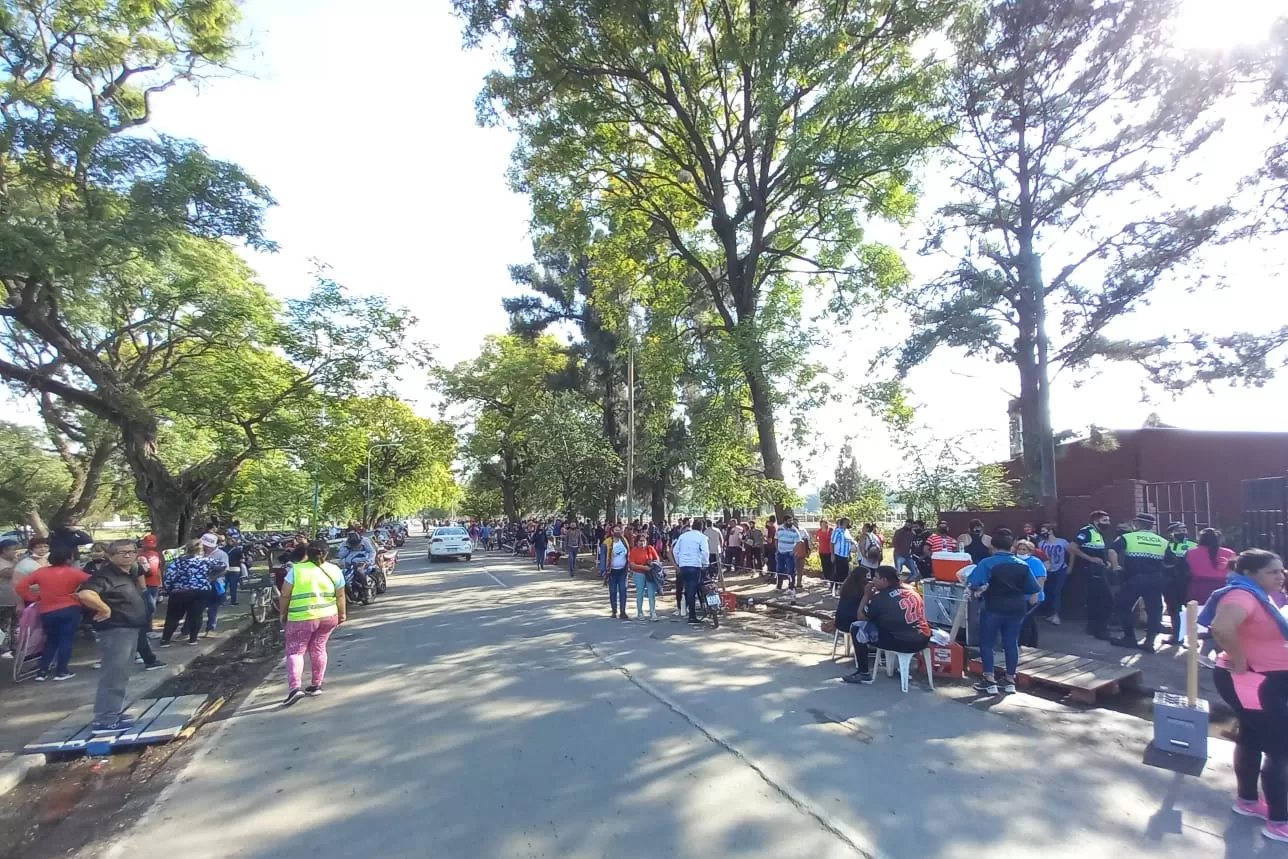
[{"x": 486, "y": 710}]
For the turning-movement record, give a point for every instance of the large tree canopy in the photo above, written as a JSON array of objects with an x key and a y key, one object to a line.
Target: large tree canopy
[{"x": 753, "y": 140}]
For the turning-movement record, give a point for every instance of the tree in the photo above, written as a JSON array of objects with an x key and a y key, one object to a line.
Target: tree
[
  {"x": 570, "y": 466},
  {"x": 270, "y": 489},
  {"x": 943, "y": 474},
  {"x": 851, "y": 493},
  {"x": 33, "y": 482},
  {"x": 752, "y": 139},
  {"x": 1073, "y": 113},
  {"x": 88, "y": 447},
  {"x": 1269, "y": 70}
]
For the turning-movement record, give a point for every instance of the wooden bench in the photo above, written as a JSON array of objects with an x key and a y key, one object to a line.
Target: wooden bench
[
  {"x": 1081, "y": 677},
  {"x": 156, "y": 720}
]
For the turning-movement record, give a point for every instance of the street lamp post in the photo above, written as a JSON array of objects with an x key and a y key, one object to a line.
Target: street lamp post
[{"x": 366, "y": 516}]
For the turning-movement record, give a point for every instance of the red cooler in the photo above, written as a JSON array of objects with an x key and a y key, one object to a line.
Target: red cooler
[{"x": 944, "y": 565}]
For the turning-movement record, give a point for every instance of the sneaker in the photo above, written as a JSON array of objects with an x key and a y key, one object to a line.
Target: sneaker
[
  {"x": 138, "y": 660},
  {"x": 639, "y": 615},
  {"x": 694, "y": 620},
  {"x": 123, "y": 721},
  {"x": 1009, "y": 688},
  {"x": 41, "y": 677},
  {"x": 192, "y": 641},
  {"x": 987, "y": 687},
  {"x": 313, "y": 691},
  {"x": 1055, "y": 620},
  {"x": 164, "y": 644},
  {"x": 623, "y": 616},
  {"x": 859, "y": 677},
  {"x": 1276, "y": 831},
  {"x": 652, "y": 616},
  {"x": 293, "y": 696},
  {"x": 153, "y": 666},
  {"x": 98, "y": 664},
  {"x": 154, "y": 635},
  {"x": 1256, "y": 808},
  {"x": 614, "y": 614},
  {"x": 58, "y": 678},
  {"x": 6, "y": 655}
]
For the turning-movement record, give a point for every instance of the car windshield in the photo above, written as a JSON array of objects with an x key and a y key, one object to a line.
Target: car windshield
[{"x": 450, "y": 532}]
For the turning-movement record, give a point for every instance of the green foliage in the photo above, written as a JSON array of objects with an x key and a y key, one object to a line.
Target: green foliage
[
  {"x": 271, "y": 489},
  {"x": 33, "y": 482},
  {"x": 852, "y": 493},
  {"x": 943, "y": 474}
]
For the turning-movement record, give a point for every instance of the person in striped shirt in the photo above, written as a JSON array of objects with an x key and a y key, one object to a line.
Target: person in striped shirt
[{"x": 942, "y": 540}]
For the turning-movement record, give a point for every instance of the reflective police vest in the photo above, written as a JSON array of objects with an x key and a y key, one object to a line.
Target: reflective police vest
[
  {"x": 1095, "y": 540},
  {"x": 1145, "y": 551},
  {"x": 312, "y": 593},
  {"x": 1179, "y": 549}
]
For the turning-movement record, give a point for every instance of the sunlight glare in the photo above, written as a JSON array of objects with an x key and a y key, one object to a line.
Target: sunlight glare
[{"x": 1219, "y": 25}]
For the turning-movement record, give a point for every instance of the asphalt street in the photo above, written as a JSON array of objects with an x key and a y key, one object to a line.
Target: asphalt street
[{"x": 484, "y": 709}]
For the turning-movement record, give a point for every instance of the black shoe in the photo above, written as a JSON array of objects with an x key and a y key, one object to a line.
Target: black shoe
[
  {"x": 1125, "y": 642},
  {"x": 313, "y": 691},
  {"x": 987, "y": 687},
  {"x": 153, "y": 666},
  {"x": 622, "y": 616},
  {"x": 293, "y": 696},
  {"x": 1103, "y": 636},
  {"x": 1147, "y": 646},
  {"x": 614, "y": 613},
  {"x": 859, "y": 677},
  {"x": 164, "y": 644}
]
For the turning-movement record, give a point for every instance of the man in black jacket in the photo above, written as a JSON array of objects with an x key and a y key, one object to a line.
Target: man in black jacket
[{"x": 114, "y": 593}]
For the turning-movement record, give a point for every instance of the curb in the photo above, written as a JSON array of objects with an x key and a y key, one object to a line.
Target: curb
[{"x": 20, "y": 768}]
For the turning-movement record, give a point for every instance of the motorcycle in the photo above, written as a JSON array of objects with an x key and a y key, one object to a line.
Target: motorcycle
[
  {"x": 384, "y": 568},
  {"x": 358, "y": 587}
]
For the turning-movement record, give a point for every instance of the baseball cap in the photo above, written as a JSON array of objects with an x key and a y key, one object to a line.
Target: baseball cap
[{"x": 210, "y": 541}]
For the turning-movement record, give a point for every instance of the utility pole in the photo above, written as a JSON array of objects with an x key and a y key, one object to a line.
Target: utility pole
[{"x": 630, "y": 427}]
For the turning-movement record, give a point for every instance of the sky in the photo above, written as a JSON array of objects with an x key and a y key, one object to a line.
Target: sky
[{"x": 363, "y": 126}]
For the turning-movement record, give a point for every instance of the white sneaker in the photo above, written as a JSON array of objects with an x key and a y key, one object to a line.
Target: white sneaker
[
  {"x": 98, "y": 664},
  {"x": 1055, "y": 620},
  {"x": 138, "y": 660},
  {"x": 652, "y": 615}
]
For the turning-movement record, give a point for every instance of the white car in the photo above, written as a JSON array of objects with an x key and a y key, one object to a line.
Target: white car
[{"x": 450, "y": 542}]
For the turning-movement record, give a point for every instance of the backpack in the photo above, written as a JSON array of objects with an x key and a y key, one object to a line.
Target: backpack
[{"x": 801, "y": 549}]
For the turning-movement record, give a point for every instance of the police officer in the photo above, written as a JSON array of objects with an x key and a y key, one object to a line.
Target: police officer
[
  {"x": 1176, "y": 575},
  {"x": 1140, "y": 555},
  {"x": 1094, "y": 561}
]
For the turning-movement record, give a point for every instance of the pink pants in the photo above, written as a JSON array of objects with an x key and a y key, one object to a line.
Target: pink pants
[{"x": 310, "y": 635}]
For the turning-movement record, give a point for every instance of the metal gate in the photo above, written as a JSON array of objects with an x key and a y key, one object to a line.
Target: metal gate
[
  {"x": 1265, "y": 512},
  {"x": 1185, "y": 501}
]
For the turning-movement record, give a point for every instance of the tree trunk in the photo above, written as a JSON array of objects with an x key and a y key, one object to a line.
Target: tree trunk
[
  {"x": 657, "y": 499},
  {"x": 509, "y": 499},
  {"x": 37, "y": 525},
  {"x": 86, "y": 482},
  {"x": 762, "y": 407},
  {"x": 1030, "y": 418}
]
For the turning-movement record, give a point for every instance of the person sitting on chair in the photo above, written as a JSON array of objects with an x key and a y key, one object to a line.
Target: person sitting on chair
[{"x": 892, "y": 616}]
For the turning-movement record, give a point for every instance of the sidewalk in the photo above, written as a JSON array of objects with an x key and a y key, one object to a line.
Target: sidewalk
[{"x": 28, "y": 708}]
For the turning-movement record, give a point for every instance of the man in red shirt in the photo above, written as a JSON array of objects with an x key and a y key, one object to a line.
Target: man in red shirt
[{"x": 942, "y": 540}]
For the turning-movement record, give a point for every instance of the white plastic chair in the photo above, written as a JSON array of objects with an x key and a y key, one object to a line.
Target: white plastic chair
[
  {"x": 905, "y": 666},
  {"x": 836, "y": 637}
]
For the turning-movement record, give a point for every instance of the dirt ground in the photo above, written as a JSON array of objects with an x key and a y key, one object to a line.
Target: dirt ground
[{"x": 68, "y": 804}]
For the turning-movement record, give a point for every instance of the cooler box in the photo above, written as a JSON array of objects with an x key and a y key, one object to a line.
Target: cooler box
[
  {"x": 946, "y": 660},
  {"x": 944, "y": 565},
  {"x": 728, "y": 600}
]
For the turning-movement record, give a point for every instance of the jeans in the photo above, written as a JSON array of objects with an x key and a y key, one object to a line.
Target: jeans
[
  {"x": 539, "y": 553},
  {"x": 902, "y": 561},
  {"x": 311, "y": 636},
  {"x": 1054, "y": 592},
  {"x": 572, "y": 560},
  {"x": 603, "y": 559},
  {"x": 642, "y": 583},
  {"x": 186, "y": 606},
  {"x": 786, "y": 566},
  {"x": 213, "y": 601},
  {"x": 1100, "y": 601},
  {"x": 1148, "y": 587},
  {"x": 231, "y": 578},
  {"x": 690, "y": 576},
  {"x": 990, "y": 623},
  {"x": 1262, "y": 747},
  {"x": 116, "y": 648},
  {"x": 60, "y": 627},
  {"x": 617, "y": 589}
]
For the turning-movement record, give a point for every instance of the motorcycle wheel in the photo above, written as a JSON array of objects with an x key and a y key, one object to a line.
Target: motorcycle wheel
[
  {"x": 258, "y": 607},
  {"x": 715, "y": 618}
]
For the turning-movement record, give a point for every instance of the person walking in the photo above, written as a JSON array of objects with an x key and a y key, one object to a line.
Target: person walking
[
  {"x": 115, "y": 595},
  {"x": 618, "y": 560},
  {"x": 572, "y": 542},
  {"x": 540, "y": 542},
  {"x": 1140, "y": 555},
  {"x": 641, "y": 555},
  {"x": 689, "y": 554},
  {"x": 1008, "y": 588},
  {"x": 53, "y": 589},
  {"x": 187, "y": 585},
  {"x": 313, "y": 606},
  {"x": 1252, "y": 677}
]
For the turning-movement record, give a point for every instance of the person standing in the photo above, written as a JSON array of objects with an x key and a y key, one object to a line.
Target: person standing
[
  {"x": 1140, "y": 554},
  {"x": 754, "y": 548},
  {"x": 1008, "y": 588},
  {"x": 1176, "y": 576},
  {"x": 785, "y": 565},
  {"x": 1094, "y": 559},
  {"x": 689, "y": 554},
  {"x": 641, "y": 555},
  {"x": 572, "y": 542},
  {"x": 823, "y": 539},
  {"x": 151, "y": 559},
  {"x": 187, "y": 584},
  {"x": 1252, "y": 677},
  {"x": 218, "y": 559},
  {"x": 10, "y": 551},
  {"x": 842, "y": 546},
  {"x": 903, "y": 557},
  {"x": 540, "y": 542},
  {"x": 941, "y": 540},
  {"x": 618, "y": 560},
  {"x": 313, "y": 606},
  {"x": 37, "y": 556},
  {"x": 733, "y": 546},
  {"x": 1209, "y": 564},
  {"x": 60, "y": 611},
  {"x": 975, "y": 542},
  {"x": 114, "y": 593},
  {"x": 237, "y": 564},
  {"x": 715, "y": 548},
  {"x": 1056, "y": 550},
  {"x": 771, "y": 545}
]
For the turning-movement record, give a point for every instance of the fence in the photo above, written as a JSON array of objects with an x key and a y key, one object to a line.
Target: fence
[{"x": 1265, "y": 513}]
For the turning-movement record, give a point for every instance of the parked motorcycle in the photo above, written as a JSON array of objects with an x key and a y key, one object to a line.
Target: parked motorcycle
[{"x": 386, "y": 559}]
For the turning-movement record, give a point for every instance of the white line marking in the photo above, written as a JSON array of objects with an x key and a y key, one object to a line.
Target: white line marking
[{"x": 495, "y": 579}]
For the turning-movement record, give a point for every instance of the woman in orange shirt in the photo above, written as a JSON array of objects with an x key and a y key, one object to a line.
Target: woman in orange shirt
[
  {"x": 823, "y": 537},
  {"x": 60, "y": 610},
  {"x": 638, "y": 560}
]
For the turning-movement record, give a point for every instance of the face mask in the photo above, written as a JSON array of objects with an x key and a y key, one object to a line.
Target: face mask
[
  {"x": 943, "y": 529},
  {"x": 1044, "y": 534},
  {"x": 976, "y": 531}
]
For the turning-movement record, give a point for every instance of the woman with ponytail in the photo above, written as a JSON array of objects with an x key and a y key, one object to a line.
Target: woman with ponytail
[
  {"x": 312, "y": 607},
  {"x": 1209, "y": 564}
]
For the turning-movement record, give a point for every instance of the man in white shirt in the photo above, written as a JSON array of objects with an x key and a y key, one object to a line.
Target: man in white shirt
[{"x": 689, "y": 553}]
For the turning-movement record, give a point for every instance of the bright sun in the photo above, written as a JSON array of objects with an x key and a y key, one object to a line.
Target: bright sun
[{"x": 1222, "y": 24}]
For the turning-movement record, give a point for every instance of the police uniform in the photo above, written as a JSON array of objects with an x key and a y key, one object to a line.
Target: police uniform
[
  {"x": 1100, "y": 602},
  {"x": 1141, "y": 554},
  {"x": 1176, "y": 577}
]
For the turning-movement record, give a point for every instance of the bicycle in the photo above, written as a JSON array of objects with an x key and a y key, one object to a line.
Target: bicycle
[{"x": 263, "y": 597}]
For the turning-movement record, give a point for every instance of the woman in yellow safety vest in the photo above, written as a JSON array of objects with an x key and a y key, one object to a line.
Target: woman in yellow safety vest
[{"x": 312, "y": 607}]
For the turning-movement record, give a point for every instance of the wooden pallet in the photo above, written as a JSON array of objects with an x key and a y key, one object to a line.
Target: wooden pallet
[
  {"x": 156, "y": 720},
  {"x": 1084, "y": 679}
]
